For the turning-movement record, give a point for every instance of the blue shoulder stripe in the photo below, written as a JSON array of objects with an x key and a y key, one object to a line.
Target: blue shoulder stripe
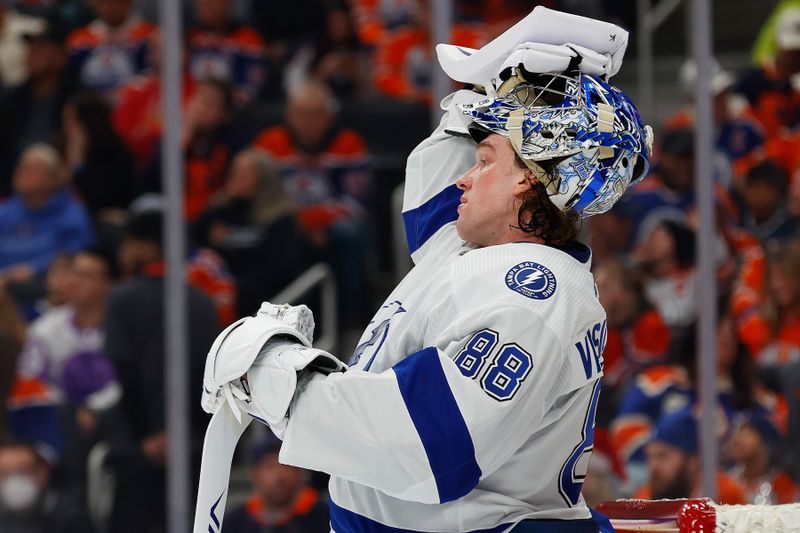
[
  {"x": 344, "y": 521},
  {"x": 439, "y": 423},
  {"x": 422, "y": 222}
]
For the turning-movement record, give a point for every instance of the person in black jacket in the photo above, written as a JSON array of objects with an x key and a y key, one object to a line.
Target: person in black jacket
[
  {"x": 100, "y": 165},
  {"x": 136, "y": 430},
  {"x": 252, "y": 226},
  {"x": 31, "y": 112}
]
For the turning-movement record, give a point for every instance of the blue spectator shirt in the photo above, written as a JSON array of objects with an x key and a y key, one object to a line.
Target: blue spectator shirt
[{"x": 35, "y": 237}]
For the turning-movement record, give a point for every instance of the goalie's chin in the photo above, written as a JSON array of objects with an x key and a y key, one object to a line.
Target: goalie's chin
[{"x": 466, "y": 232}]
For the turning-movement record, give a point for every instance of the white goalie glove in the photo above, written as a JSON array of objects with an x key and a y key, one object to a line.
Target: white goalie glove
[
  {"x": 253, "y": 370},
  {"x": 277, "y": 375},
  {"x": 242, "y": 343},
  {"x": 545, "y": 41}
]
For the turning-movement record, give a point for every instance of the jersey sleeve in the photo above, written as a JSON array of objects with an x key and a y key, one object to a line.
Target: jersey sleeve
[
  {"x": 432, "y": 426},
  {"x": 431, "y": 198}
]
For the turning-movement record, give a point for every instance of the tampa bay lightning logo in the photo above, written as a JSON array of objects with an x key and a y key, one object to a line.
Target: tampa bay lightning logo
[{"x": 532, "y": 280}]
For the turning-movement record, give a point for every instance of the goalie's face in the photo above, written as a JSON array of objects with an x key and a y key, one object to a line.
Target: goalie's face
[{"x": 492, "y": 193}]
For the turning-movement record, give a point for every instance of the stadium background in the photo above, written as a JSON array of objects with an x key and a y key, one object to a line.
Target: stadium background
[{"x": 296, "y": 121}]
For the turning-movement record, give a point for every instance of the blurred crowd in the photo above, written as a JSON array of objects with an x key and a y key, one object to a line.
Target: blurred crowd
[{"x": 295, "y": 132}]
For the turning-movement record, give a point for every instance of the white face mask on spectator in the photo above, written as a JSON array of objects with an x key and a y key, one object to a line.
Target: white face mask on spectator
[{"x": 19, "y": 492}]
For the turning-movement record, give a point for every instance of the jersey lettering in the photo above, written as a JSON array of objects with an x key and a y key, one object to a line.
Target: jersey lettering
[
  {"x": 575, "y": 469},
  {"x": 590, "y": 349}
]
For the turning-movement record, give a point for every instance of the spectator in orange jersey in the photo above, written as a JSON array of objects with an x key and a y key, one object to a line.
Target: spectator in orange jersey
[
  {"x": 403, "y": 60},
  {"x": 772, "y": 330},
  {"x": 661, "y": 390},
  {"x": 637, "y": 335},
  {"x": 208, "y": 151},
  {"x": 282, "y": 501},
  {"x": 137, "y": 115},
  {"x": 112, "y": 49},
  {"x": 207, "y": 147},
  {"x": 673, "y": 463},
  {"x": 753, "y": 449},
  {"x": 772, "y": 90},
  {"x": 221, "y": 49},
  {"x": 325, "y": 170},
  {"x": 374, "y": 18}
]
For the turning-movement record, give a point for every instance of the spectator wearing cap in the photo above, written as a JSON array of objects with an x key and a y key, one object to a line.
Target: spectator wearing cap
[
  {"x": 112, "y": 49},
  {"x": 13, "y": 27},
  {"x": 40, "y": 220},
  {"x": 764, "y": 192},
  {"x": 753, "y": 449},
  {"x": 673, "y": 463},
  {"x": 668, "y": 193},
  {"x": 135, "y": 344},
  {"x": 222, "y": 49},
  {"x": 772, "y": 89},
  {"x": 738, "y": 132},
  {"x": 282, "y": 500},
  {"x": 29, "y": 503},
  {"x": 325, "y": 170},
  {"x": 30, "y": 111},
  {"x": 662, "y": 390}
]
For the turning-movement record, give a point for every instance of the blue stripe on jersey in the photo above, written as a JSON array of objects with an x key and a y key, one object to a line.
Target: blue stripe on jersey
[
  {"x": 439, "y": 423},
  {"x": 344, "y": 521},
  {"x": 422, "y": 222}
]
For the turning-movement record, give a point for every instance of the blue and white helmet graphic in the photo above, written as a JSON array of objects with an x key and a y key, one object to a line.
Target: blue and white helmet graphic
[{"x": 589, "y": 130}]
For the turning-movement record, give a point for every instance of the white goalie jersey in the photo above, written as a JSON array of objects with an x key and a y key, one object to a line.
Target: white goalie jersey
[{"x": 471, "y": 398}]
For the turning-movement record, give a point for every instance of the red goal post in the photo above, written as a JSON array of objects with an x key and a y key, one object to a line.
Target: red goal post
[{"x": 700, "y": 516}]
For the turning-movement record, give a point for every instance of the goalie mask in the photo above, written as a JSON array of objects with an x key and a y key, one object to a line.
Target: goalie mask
[{"x": 582, "y": 138}]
